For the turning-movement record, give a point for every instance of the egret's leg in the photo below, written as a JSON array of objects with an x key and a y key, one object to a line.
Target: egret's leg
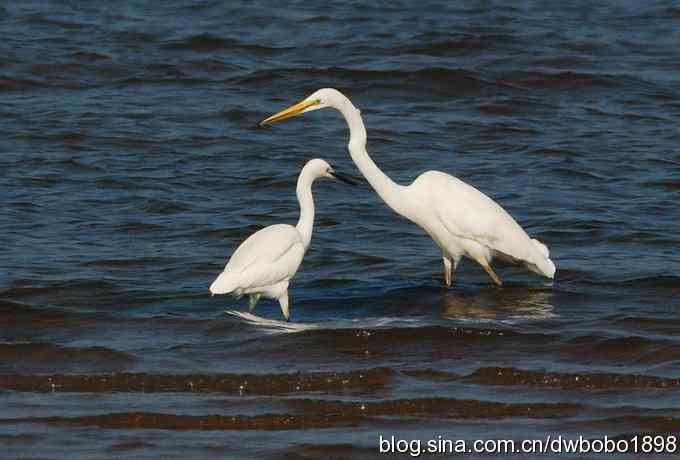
[
  {"x": 448, "y": 273},
  {"x": 254, "y": 298},
  {"x": 490, "y": 271},
  {"x": 283, "y": 301}
]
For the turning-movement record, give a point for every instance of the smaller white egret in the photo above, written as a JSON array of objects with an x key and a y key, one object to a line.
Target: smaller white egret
[{"x": 263, "y": 265}]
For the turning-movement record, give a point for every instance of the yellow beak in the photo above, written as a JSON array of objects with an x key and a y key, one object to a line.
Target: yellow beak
[{"x": 291, "y": 111}]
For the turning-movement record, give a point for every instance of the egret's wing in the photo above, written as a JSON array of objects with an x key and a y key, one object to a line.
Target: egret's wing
[
  {"x": 468, "y": 213},
  {"x": 267, "y": 257},
  {"x": 276, "y": 271},
  {"x": 264, "y": 246}
]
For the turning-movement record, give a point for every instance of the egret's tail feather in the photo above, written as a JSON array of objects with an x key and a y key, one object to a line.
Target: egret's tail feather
[
  {"x": 542, "y": 264},
  {"x": 224, "y": 284},
  {"x": 541, "y": 247}
]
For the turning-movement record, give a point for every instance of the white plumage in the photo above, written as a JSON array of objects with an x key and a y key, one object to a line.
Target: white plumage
[
  {"x": 462, "y": 220},
  {"x": 263, "y": 265}
]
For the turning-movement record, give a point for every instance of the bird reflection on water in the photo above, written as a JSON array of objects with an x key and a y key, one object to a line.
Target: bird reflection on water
[{"x": 490, "y": 304}]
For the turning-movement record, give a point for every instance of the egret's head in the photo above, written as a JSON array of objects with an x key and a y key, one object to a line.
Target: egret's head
[
  {"x": 320, "y": 168},
  {"x": 320, "y": 99}
]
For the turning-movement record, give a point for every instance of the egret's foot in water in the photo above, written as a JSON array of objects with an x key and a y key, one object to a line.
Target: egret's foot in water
[
  {"x": 254, "y": 298},
  {"x": 448, "y": 272},
  {"x": 283, "y": 301},
  {"x": 491, "y": 273}
]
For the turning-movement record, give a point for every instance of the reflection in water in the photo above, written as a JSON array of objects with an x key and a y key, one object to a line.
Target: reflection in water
[
  {"x": 271, "y": 325},
  {"x": 492, "y": 304},
  {"x": 275, "y": 326}
]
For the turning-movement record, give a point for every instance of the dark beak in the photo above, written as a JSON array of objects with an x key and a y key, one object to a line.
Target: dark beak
[{"x": 344, "y": 178}]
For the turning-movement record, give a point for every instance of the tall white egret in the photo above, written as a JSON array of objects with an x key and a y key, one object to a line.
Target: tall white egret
[
  {"x": 459, "y": 218},
  {"x": 263, "y": 265}
]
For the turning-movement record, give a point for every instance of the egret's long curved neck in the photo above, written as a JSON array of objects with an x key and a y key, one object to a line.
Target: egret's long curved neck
[
  {"x": 305, "y": 224},
  {"x": 390, "y": 192}
]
